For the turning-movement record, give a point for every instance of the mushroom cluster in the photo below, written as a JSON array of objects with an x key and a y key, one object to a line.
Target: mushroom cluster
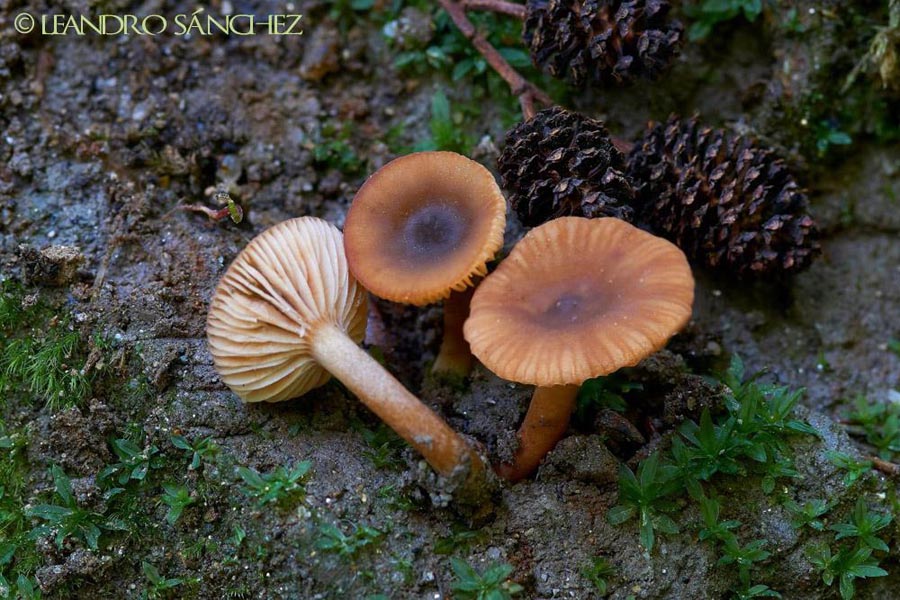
[{"x": 575, "y": 299}]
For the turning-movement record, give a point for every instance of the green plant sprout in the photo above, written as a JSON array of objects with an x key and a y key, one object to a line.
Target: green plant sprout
[
  {"x": 808, "y": 514},
  {"x": 743, "y": 556},
  {"x": 880, "y": 423},
  {"x": 203, "y": 449},
  {"x": 25, "y": 589},
  {"x": 714, "y": 530},
  {"x": 385, "y": 445},
  {"x": 709, "y": 13},
  {"x": 159, "y": 586},
  {"x": 276, "y": 487},
  {"x": 493, "y": 584},
  {"x": 177, "y": 498},
  {"x": 459, "y": 540},
  {"x": 646, "y": 496},
  {"x": 600, "y": 393},
  {"x": 854, "y": 468},
  {"x": 67, "y": 519},
  {"x": 444, "y": 126},
  {"x": 755, "y": 591},
  {"x": 864, "y": 525},
  {"x": 597, "y": 572},
  {"x": 134, "y": 462},
  {"x": 846, "y": 566},
  {"x": 332, "y": 539}
]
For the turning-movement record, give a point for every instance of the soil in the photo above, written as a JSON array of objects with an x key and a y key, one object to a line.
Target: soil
[{"x": 105, "y": 139}]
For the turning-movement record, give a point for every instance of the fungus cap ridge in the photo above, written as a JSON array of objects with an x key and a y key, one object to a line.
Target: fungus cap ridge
[
  {"x": 288, "y": 280},
  {"x": 578, "y": 298},
  {"x": 424, "y": 225}
]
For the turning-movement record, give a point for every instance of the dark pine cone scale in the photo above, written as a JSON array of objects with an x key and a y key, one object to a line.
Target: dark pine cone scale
[
  {"x": 601, "y": 41},
  {"x": 727, "y": 202},
  {"x": 560, "y": 164}
]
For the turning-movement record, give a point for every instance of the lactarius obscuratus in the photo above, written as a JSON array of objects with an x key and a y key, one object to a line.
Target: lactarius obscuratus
[
  {"x": 422, "y": 229},
  {"x": 576, "y": 298},
  {"x": 288, "y": 314}
]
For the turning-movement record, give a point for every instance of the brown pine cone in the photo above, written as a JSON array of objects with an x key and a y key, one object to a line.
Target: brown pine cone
[
  {"x": 561, "y": 163},
  {"x": 601, "y": 41},
  {"x": 727, "y": 202}
]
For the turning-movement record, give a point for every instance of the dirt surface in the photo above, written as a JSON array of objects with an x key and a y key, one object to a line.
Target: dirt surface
[{"x": 104, "y": 139}]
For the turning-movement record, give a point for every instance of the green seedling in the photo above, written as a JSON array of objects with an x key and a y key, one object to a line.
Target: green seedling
[
  {"x": 177, "y": 498},
  {"x": 493, "y": 584},
  {"x": 597, "y": 572},
  {"x": 864, "y": 525},
  {"x": 756, "y": 591},
  {"x": 743, "y": 557},
  {"x": 276, "y": 487},
  {"x": 385, "y": 446},
  {"x": 881, "y": 424},
  {"x": 134, "y": 462},
  {"x": 67, "y": 519},
  {"x": 807, "y": 514},
  {"x": 709, "y": 13},
  {"x": 204, "y": 449},
  {"x": 600, "y": 393},
  {"x": 158, "y": 586},
  {"x": 25, "y": 589},
  {"x": 714, "y": 530},
  {"x": 647, "y": 497},
  {"x": 332, "y": 539},
  {"x": 854, "y": 468},
  {"x": 459, "y": 540},
  {"x": 846, "y": 566},
  {"x": 446, "y": 132}
]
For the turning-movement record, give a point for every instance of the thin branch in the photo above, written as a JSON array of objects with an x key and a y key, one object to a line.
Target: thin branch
[
  {"x": 526, "y": 91},
  {"x": 497, "y": 6},
  {"x": 888, "y": 468}
]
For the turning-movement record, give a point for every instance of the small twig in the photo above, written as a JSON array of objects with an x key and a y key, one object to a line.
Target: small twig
[
  {"x": 888, "y": 468},
  {"x": 497, "y": 6},
  {"x": 526, "y": 91},
  {"x": 231, "y": 209}
]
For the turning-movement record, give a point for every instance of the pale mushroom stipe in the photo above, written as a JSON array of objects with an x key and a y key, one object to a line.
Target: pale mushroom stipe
[
  {"x": 576, "y": 298},
  {"x": 288, "y": 314},
  {"x": 422, "y": 229}
]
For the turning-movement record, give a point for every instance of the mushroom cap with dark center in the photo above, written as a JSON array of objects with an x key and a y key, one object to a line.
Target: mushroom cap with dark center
[
  {"x": 287, "y": 281},
  {"x": 578, "y": 298},
  {"x": 424, "y": 225}
]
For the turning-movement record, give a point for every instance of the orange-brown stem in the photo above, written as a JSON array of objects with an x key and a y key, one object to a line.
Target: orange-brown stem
[
  {"x": 544, "y": 425},
  {"x": 380, "y": 391},
  {"x": 455, "y": 357}
]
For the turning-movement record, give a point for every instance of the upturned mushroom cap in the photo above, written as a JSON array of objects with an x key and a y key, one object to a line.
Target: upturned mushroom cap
[
  {"x": 287, "y": 281},
  {"x": 423, "y": 225},
  {"x": 578, "y": 298}
]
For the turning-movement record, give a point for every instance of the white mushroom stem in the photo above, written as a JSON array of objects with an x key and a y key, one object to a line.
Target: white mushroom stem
[
  {"x": 545, "y": 423},
  {"x": 380, "y": 391}
]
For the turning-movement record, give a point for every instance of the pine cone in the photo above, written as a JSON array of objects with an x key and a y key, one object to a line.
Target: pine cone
[
  {"x": 727, "y": 202},
  {"x": 561, "y": 163},
  {"x": 601, "y": 41}
]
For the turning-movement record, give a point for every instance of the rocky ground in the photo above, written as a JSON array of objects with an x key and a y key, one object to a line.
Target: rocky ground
[{"x": 106, "y": 139}]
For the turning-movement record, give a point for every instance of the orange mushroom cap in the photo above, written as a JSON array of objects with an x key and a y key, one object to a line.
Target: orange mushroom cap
[
  {"x": 287, "y": 281},
  {"x": 424, "y": 225},
  {"x": 578, "y": 298}
]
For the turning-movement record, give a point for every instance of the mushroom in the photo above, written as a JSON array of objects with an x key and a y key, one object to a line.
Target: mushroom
[
  {"x": 288, "y": 314},
  {"x": 575, "y": 299},
  {"x": 422, "y": 229}
]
